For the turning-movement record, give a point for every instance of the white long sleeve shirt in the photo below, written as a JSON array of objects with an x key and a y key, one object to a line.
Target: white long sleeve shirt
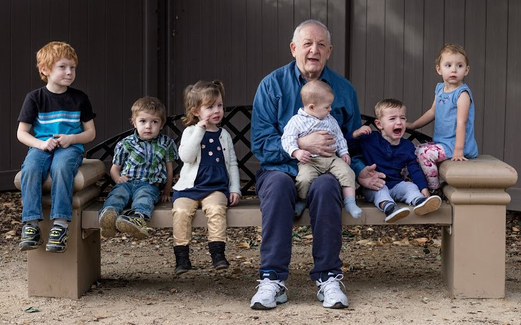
[{"x": 302, "y": 124}]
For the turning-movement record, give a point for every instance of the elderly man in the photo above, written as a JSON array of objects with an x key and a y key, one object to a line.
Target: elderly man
[{"x": 276, "y": 101}]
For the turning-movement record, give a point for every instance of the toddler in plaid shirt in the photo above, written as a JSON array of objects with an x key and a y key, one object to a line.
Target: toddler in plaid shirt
[{"x": 142, "y": 169}]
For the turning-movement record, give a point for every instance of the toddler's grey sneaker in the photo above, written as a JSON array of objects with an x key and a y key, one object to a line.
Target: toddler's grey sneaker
[
  {"x": 134, "y": 224},
  {"x": 107, "y": 222},
  {"x": 394, "y": 213},
  {"x": 426, "y": 205}
]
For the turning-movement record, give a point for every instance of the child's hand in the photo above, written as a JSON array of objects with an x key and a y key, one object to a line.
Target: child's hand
[
  {"x": 426, "y": 192},
  {"x": 48, "y": 145},
  {"x": 121, "y": 179},
  {"x": 347, "y": 158},
  {"x": 302, "y": 155},
  {"x": 458, "y": 156},
  {"x": 203, "y": 123},
  {"x": 364, "y": 129},
  {"x": 165, "y": 197},
  {"x": 234, "y": 198},
  {"x": 64, "y": 140}
]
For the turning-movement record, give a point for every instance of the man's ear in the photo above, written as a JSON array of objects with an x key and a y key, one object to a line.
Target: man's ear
[{"x": 292, "y": 48}]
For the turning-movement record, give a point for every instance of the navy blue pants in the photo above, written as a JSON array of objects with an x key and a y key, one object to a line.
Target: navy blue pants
[{"x": 277, "y": 194}]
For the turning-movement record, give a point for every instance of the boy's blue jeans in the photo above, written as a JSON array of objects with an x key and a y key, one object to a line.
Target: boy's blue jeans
[
  {"x": 144, "y": 197},
  {"x": 63, "y": 165}
]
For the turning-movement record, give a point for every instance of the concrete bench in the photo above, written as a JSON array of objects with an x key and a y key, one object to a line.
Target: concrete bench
[{"x": 473, "y": 237}]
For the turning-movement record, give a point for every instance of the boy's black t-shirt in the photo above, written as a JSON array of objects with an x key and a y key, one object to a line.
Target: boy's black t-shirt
[{"x": 51, "y": 113}]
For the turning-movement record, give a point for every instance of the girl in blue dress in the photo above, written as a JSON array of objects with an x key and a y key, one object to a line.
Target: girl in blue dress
[
  {"x": 453, "y": 114},
  {"x": 209, "y": 177}
]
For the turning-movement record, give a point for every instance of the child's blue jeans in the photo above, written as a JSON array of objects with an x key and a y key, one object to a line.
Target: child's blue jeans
[
  {"x": 63, "y": 165},
  {"x": 144, "y": 197}
]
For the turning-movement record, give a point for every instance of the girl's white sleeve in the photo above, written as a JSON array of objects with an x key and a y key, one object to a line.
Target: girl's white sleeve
[{"x": 191, "y": 143}]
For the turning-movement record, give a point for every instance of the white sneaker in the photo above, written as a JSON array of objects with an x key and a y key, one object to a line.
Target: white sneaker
[
  {"x": 270, "y": 293},
  {"x": 330, "y": 293}
]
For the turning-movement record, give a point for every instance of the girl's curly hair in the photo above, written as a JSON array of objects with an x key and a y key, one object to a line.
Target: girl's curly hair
[{"x": 202, "y": 93}]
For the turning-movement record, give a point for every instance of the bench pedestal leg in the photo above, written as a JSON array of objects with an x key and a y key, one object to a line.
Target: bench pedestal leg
[
  {"x": 68, "y": 274},
  {"x": 473, "y": 256}
]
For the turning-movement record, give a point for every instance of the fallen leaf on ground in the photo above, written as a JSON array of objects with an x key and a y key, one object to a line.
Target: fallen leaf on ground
[
  {"x": 420, "y": 241},
  {"x": 244, "y": 245},
  {"x": 31, "y": 310}
]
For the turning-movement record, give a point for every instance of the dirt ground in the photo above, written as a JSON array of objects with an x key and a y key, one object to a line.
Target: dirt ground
[{"x": 392, "y": 276}]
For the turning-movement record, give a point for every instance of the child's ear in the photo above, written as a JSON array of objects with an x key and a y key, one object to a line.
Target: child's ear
[
  {"x": 44, "y": 71},
  {"x": 378, "y": 124},
  {"x": 438, "y": 69}
]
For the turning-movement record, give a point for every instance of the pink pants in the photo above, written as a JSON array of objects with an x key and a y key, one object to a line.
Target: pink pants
[{"x": 429, "y": 155}]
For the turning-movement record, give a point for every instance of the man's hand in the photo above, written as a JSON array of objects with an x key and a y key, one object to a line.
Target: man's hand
[
  {"x": 370, "y": 178},
  {"x": 303, "y": 156},
  {"x": 320, "y": 142}
]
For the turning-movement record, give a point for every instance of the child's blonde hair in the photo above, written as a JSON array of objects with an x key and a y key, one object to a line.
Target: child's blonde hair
[
  {"x": 454, "y": 49},
  {"x": 314, "y": 91},
  {"x": 149, "y": 105},
  {"x": 51, "y": 53},
  {"x": 198, "y": 95},
  {"x": 387, "y": 103}
]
